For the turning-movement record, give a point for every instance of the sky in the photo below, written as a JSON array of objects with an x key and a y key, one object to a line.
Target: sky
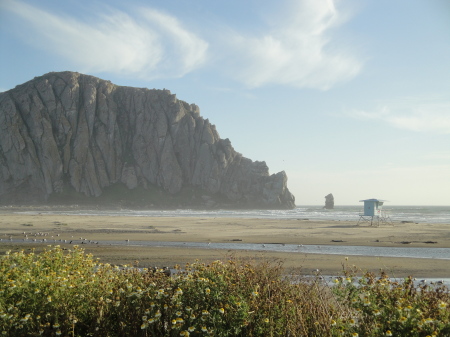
[{"x": 347, "y": 97}]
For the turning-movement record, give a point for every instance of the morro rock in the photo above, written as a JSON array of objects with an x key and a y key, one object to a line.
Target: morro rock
[{"x": 66, "y": 135}]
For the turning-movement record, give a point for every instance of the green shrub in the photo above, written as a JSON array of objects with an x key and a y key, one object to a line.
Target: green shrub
[
  {"x": 381, "y": 306},
  {"x": 69, "y": 293}
]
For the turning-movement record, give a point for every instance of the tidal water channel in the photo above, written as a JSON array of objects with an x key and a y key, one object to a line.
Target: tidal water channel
[
  {"x": 411, "y": 252},
  {"x": 404, "y": 252}
]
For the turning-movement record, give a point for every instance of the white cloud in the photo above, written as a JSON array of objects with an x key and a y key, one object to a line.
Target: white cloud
[
  {"x": 411, "y": 115},
  {"x": 186, "y": 48},
  {"x": 295, "y": 46},
  {"x": 150, "y": 46},
  {"x": 297, "y": 50}
]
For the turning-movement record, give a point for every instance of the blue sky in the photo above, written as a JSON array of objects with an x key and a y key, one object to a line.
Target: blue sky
[{"x": 348, "y": 97}]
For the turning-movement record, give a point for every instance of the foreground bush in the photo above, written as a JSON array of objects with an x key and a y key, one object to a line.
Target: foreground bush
[
  {"x": 384, "y": 307},
  {"x": 68, "y": 293}
]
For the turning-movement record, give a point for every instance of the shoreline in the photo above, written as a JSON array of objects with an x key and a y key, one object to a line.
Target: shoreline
[{"x": 223, "y": 230}]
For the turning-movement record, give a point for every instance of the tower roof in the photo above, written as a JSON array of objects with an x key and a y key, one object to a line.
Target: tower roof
[{"x": 373, "y": 199}]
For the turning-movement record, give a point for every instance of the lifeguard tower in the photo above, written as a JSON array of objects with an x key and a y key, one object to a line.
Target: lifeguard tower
[{"x": 373, "y": 213}]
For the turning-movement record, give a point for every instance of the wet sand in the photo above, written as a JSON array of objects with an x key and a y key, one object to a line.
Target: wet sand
[{"x": 263, "y": 231}]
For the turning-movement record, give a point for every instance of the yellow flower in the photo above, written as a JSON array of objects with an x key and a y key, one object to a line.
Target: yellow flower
[
  {"x": 143, "y": 326},
  {"x": 266, "y": 320},
  {"x": 352, "y": 322},
  {"x": 191, "y": 329},
  {"x": 355, "y": 334},
  {"x": 388, "y": 333},
  {"x": 402, "y": 319},
  {"x": 255, "y": 293},
  {"x": 377, "y": 312},
  {"x": 442, "y": 305},
  {"x": 222, "y": 310},
  {"x": 333, "y": 322},
  {"x": 58, "y": 333},
  {"x": 204, "y": 329},
  {"x": 207, "y": 291}
]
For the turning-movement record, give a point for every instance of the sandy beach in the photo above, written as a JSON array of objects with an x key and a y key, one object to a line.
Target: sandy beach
[{"x": 262, "y": 231}]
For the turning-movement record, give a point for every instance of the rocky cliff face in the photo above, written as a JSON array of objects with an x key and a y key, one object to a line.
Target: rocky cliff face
[{"x": 72, "y": 131}]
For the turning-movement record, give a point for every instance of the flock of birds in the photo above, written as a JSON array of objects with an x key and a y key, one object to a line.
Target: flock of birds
[{"x": 46, "y": 237}]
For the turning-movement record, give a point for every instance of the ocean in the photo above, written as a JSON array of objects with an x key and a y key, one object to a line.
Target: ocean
[{"x": 416, "y": 214}]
